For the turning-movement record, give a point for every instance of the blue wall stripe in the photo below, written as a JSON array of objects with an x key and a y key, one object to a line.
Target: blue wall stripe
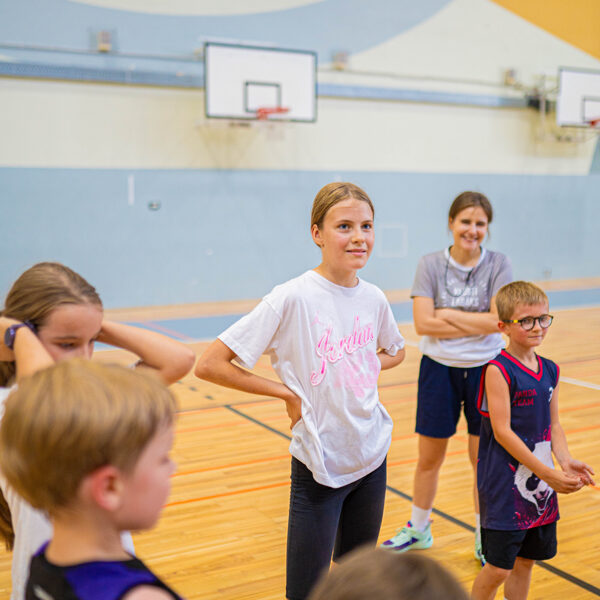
[
  {"x": 90, "y": 74},
  {"x": 325, "y": 27},
  {"x": 408, "y": 95},
  {"x": 208, "y": 328},
  {"x": 183, "y": 80}
]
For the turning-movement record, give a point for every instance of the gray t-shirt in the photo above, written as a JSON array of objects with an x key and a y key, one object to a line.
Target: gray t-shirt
[{"x": 452, "y": 285}]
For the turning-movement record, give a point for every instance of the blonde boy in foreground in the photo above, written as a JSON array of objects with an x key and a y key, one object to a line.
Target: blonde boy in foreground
[
  {"x": 89, "y": 444},
  {"x": 377, "y": 574},
  {"x": 520, "y": 431}
]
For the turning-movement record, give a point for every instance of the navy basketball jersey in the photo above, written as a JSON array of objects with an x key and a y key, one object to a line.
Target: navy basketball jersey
[
  {"x": 511, "y": 496},
  {"x": 96, "y": 580}
]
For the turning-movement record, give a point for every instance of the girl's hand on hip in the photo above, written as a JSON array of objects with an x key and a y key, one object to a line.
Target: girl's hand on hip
[{"x": 293, "y": 405}]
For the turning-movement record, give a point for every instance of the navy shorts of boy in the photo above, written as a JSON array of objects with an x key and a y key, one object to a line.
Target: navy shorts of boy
[
  {"x": 501, "y": 547},
  {"x": 442, "y": 392}
]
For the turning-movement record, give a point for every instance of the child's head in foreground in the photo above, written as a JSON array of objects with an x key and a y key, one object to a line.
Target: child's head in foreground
[
  {"x": 83, "y": 430},
  {"x": 522, "y": 308},
  {"x": 378, "y": 574}
]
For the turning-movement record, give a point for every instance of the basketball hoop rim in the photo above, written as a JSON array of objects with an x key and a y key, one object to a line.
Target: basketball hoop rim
[{"x": 263, "y": 113}]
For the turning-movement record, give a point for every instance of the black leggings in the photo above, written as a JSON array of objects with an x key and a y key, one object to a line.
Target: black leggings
[{"x": 325, "y": 520}]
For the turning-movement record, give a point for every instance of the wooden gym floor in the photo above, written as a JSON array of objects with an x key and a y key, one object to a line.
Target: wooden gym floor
[{"x": 223, "y": 533}]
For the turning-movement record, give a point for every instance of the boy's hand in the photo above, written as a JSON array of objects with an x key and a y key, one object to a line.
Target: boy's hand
[
  {"x": 576, "y": 468},
  {"x": 562, "y": 482}
]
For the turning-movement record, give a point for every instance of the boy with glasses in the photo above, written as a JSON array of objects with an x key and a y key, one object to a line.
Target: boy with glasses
[{"x": 520, "y": 431}]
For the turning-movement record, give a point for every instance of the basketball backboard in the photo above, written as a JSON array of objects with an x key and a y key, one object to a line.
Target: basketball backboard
[
  {"x": 241, "y": 82},
  {"x": 578, "y": 102}
]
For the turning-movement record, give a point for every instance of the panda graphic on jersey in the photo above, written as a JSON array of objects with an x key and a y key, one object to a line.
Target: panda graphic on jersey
[{"x": 529, "y": 485}]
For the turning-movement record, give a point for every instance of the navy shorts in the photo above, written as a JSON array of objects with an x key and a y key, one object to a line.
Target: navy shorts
[
  {"x": 501, "y": 548},
  {"x": 442, "y": 392}
]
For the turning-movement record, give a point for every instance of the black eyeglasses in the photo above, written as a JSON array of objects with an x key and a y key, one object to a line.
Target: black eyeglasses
[{"x": 528, "y": 323}]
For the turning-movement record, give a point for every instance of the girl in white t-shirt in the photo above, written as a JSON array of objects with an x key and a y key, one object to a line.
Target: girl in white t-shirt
[
  {"x": 454, "y": 310},
  {"x": 51, "y": 313},
  {"x": 329, "y": 334}
]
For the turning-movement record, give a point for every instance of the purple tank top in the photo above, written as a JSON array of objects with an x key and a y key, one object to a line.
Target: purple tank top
[{"x": 97, "y": 580}]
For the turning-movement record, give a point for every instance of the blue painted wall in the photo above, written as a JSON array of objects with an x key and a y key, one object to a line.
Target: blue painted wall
[
  {"x": 323, "y": 26},
  {"x": 226, "y": 233},
  {"x": 222, "y": 235}
]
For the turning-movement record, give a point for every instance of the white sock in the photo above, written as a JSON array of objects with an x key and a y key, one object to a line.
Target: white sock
[
  {"x": 478, "y": 527},
  {"x": 420, "y": 518}
]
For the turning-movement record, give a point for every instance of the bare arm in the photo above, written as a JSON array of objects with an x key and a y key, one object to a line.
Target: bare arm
[
  {"x": 171, "y": 359},
  {"x": 387, "y": 361},
  {"x": 499, "y": 407},
  {"x": 560, "y": 447},
  {"x": 215, "y": 365},
  {"x": 428, "y": 323},
  {"x": 471, "y": 323},
  {"x": 28, "y": 353}
]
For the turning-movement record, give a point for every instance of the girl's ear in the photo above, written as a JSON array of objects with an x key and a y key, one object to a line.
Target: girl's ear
[
  {"x": 104, "y": 487},
  {"x": 316, "y": 235}
]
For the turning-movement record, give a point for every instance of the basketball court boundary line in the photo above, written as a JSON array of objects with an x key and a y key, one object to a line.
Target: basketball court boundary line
[
  {"x": 551, "y": 568},
  {"x": 257, "y": 422},
  {"x": 580, "y": 383}
]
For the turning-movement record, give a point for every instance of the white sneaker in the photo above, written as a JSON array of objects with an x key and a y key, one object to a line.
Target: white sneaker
[{"x": 408, "y": 538}]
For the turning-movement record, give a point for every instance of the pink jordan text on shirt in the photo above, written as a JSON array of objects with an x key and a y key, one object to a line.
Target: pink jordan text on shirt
[{"x": 331, "y": 352}]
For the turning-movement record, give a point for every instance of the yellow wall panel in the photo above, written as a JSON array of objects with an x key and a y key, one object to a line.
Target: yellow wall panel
[{"x": 574, "y": 21}]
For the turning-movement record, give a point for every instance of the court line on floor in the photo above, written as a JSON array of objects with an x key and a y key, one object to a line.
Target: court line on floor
[
  {"x": 268, "y": 400},
  {"x": 192, "y": 411},
  {"x": 246, "y": 463},
  {"x": 580, "y": 383},
  {"x": 459, "y": 436},
  {"x": 552, "y": 569},
  {"x": 257, "y": 422},
  {"x": 268, "y": 486},
  {"x": 213, "y": 324}
]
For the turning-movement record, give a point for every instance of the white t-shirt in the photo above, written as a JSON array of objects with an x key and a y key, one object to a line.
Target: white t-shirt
[
  {"x": 32, "y": 528},
  {"x": 452, "y": 285},
  {"x": 322, "y": 339}
]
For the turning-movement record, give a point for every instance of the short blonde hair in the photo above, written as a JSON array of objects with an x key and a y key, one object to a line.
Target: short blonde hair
[
  {"x": 65, "y": 421},
  {"x": 515, "y": 293},
  {"x": 378, "y": 574},
  {"x": 332, "y": 193}
]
